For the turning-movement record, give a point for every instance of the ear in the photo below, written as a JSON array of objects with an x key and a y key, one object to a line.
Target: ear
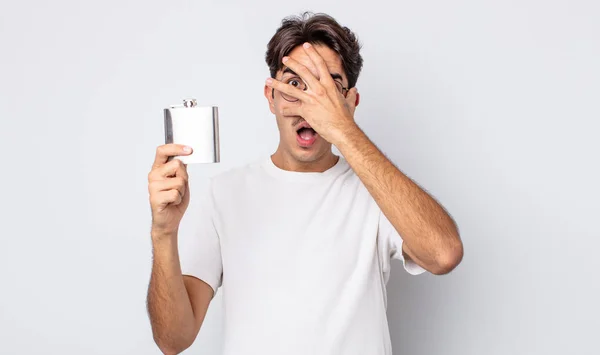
[
  {"x": 269, "y": 95},
  {"x": 352, "y": 99}
]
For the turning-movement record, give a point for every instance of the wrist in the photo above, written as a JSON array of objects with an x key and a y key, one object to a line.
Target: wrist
[
  {"x": 164, "y": 247},
  {"x": 347, "y": 135},
  {"x": 160, "y": 236}
]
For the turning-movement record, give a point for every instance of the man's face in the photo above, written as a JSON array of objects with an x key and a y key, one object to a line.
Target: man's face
[{"x": 302, "y": 146}]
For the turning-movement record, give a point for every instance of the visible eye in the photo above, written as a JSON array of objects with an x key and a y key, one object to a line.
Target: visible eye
[{"x": 297, "y": 83}]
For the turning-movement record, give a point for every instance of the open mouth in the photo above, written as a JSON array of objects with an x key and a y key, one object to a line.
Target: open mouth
[
  {"x": 306, "y": 136},
  {"x": 306, "y": 133}
]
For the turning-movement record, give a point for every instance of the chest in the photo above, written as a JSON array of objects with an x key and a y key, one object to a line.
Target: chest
[{"x": 310, "y": 236}]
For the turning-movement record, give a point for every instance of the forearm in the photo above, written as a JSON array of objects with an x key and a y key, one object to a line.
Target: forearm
[
  {"x": 169, "y": 306},
  {"x": 426, "y": 228}
]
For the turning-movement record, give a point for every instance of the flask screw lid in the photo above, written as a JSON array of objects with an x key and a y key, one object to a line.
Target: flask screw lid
[{"x": 189, "y": 102}]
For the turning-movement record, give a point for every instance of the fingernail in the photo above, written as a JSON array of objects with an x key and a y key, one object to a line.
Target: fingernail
[
  {"x": 187, "y": 149},
  {"x": 269, "y": 81},
  {"x": 306, "y": 45},
  {"x": 285, "y": 59}
]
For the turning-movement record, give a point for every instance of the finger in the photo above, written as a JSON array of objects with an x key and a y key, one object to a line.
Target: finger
[
  {"x": 176, "y": 183},
  {"x": 324, "y": 75},
  {"x": 173, "y": 168},
  {"x": 289, "y": 90},
  {"x": 164, "y": 198},
  {"x": 164, "y": 152},
  {"x": 313, "y": 83},
  {"x": 291, "y": 111}
]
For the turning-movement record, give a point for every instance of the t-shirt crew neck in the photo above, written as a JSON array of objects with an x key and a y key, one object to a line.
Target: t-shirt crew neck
[{"x": 302, "y": 176}]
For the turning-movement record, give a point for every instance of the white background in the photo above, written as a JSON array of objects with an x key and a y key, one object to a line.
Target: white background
[{"x": 492, "y": 106}]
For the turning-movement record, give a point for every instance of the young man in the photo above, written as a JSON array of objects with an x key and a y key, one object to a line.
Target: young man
[{"x": 300, "y": 241}]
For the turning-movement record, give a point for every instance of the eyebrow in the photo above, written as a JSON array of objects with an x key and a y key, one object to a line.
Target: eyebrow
[{"x": 333, "y": 75}]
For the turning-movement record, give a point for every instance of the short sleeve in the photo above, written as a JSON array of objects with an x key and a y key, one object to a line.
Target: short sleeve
[
  {"x": 198, "y": 240},
  {"x": 392, "y": 242}
]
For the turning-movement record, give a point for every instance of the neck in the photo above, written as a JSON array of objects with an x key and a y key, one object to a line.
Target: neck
[{"x": 286, "y": 161}]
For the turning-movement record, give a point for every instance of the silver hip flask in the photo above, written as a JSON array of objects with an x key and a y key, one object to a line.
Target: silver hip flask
[{"x": 194, "y": 126}]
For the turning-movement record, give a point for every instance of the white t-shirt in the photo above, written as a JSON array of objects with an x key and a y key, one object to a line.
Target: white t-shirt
[{"x": 302, "y": 258}]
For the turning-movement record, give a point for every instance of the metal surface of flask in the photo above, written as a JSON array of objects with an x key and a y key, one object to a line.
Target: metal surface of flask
[{"x": 194, "y": 126}]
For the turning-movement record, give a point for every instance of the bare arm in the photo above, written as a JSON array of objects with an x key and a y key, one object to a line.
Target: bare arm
[
  {"x": 430, "y": 235},
  {"x": 177, "y": 304}
]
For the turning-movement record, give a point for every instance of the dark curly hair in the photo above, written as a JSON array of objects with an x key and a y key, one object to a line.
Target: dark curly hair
[{"x": 316, "y": 29}]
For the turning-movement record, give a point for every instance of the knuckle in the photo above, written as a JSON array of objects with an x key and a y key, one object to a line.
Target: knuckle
[
  {"x": 172, "y": 166},
  {"x": 167, "y": 196},
  {"x": 179, "y": 181},
  {"x": 152, "y": 188},
  {"x": 152, "y": 175}
]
